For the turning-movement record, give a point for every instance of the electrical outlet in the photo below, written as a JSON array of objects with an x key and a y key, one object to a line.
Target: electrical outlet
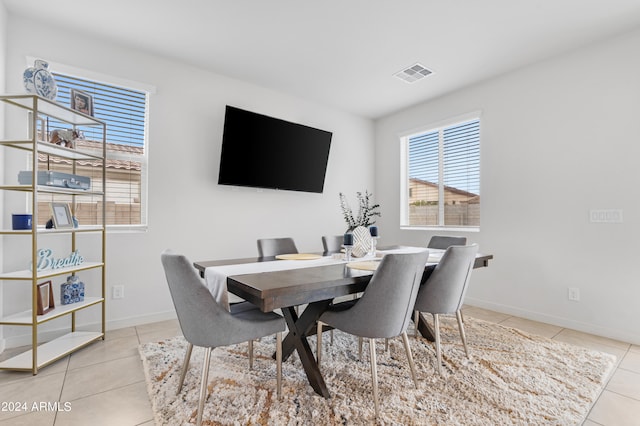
[
  {"x": 573, "y": 294},
  {"x": 117, "y": 292}
]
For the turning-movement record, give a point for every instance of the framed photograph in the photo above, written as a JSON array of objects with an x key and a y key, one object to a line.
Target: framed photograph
[
  {"x": 45, "y": 298},
  {"x": 82, "y": 102},
  {"x": 62, "y": 217}
]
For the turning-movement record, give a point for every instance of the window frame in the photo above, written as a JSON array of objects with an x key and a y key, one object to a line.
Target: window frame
[
  {"x": 129, "y": 84},
  {"x": 404, "y": 138}
]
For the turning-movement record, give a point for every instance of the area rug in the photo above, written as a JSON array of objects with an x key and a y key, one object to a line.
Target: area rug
[{"x": 512, "y": 378}]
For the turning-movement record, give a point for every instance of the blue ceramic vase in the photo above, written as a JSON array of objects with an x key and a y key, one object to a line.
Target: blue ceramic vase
[{"x": 38, "y": 80}]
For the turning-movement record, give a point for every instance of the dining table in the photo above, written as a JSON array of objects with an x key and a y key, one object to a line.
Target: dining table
[{"x": 308, "y": 280}]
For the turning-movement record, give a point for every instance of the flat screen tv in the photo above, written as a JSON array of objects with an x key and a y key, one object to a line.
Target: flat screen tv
[{"x": 265, "y": 152}]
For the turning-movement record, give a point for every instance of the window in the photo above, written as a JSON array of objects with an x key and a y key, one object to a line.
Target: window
[
  {"x": 125, "y": 112},
  {"x": 441, "y": 183}
]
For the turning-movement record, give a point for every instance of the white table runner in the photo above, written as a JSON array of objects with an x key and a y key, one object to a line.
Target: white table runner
[
  {"x": 215, "y": 277},
  {"x": 434, "y": 254}
]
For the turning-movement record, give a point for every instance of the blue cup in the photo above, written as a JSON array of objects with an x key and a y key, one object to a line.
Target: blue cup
[{"x": 21, "y": 221}]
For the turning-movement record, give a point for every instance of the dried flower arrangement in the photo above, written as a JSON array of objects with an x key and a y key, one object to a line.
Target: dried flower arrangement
[{"x": 366, "y": 210}]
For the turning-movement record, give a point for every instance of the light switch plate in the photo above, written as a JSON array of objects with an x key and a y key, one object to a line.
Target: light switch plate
[{"x": 605, "y": 216}]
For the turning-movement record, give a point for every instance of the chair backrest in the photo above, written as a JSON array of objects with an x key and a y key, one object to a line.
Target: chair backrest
[
  {"x": 268, "y": 247},
  {"x": 202, "y": 320},
  {"x": 332, "y": 244},
  {"x": 385, "y": 308},
  {"x": 443, "y": 242},
  {"x": 444, "y": 290}
]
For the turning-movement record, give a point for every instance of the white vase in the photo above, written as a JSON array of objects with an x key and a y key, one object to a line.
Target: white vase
[
  {"x": 361, "y": 241},
  {"x": 38, "y": 80}
]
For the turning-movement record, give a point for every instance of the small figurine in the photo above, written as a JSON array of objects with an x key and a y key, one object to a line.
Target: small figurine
[{"x": 65, "y": 137}]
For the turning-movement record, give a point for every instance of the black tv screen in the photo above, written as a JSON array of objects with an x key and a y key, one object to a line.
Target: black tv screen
[{"x": 265, "y": 152}]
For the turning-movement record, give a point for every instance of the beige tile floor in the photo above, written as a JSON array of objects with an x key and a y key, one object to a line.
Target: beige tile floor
[{"x": 104, "y": 383}]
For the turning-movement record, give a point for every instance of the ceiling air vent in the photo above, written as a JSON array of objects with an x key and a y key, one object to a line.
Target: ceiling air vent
[{"x": 413, "y": 73}]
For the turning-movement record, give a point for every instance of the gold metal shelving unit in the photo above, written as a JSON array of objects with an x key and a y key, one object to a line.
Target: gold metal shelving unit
[{"x": 41, "y": 354}]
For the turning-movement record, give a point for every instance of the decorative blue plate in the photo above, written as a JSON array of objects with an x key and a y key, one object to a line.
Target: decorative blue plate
[{"x": 38, "y": 80}]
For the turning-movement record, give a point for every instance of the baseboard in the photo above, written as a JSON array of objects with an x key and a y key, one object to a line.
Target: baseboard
[
  {"x": 25, "y": 339},
  {"x": 555, "y": 320},
  {"x": 139, "y": 320}
]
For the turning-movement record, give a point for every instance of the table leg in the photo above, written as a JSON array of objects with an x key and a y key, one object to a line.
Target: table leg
[
  {"x": 299, "y": 329},
  {"x": 425, "y": 329}
]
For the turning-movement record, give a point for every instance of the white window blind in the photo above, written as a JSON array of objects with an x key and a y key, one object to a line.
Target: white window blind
[
  {"x": 125, "y": 112},
  {"x": 443, "y": 176}
]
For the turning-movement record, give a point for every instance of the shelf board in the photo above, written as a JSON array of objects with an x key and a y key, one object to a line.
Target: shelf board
[
  {"x": 24, "y": 317},
  {"x": 43, "y": 231},
  {"x": 81, "y": 228},
  {"x": 51, "y": 190},
  {"x": 52, "y": 109},
  {"x": 17, "y": 187},
  {"x": 60, "y": 151},
  {"x": 57, "y": 190},
  {"x": 25, "y": 274},
  {"x": 15, "y": 231},
  {"x": 48, "y": 148},
  {"x": 52, "y": 350}
]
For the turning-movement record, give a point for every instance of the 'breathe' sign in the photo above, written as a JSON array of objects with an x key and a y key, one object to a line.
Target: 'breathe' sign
[{"x": 46, "y": 261}]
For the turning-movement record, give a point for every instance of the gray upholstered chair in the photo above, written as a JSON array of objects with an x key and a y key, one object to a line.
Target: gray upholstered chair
[
  {"x": 443, "y": 242},
  {"x": 444, "y": 290},
  {"x": 332, "y": 244},
  {"x": 207, "y": 324},
  {"x": 384, "y": 310},
  {"x": 268, "y": 247}
]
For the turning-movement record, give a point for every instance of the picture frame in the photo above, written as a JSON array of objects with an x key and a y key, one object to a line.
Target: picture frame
[
  {"x": 81, "y": 102},
  {"x": 61, "y": 215},
  {"x": 45, "y": 297}
]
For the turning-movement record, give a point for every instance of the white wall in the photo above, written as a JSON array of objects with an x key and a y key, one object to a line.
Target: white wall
[
  {"x": 558, "y": 138},
  {"x": 188, "y": 211}
]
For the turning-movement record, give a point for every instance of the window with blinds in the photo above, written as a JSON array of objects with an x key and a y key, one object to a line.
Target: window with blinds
[
  {"x": 125, "y": 112},
  {"x": 442, "y": 187}
]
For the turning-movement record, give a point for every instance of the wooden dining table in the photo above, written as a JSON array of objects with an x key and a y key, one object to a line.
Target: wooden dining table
[{"x": 314, "y": 286}]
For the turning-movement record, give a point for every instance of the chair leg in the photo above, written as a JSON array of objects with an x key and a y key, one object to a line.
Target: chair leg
[
  {"x": 360, "y": 348},
  {"x": 386, "y": 344},
  {"x": 279, "y": 363},
  {"x": 250, "y": 354},
  {"x": 331, "y": 336},
  {"x": 203, "y": 384},
  {"x": 462, "y": 333},
  {"x": 185, "y": 367},
  {"x": 412, "y": 366},
  {"x": 436, "y": 326},
  {"x": 374, "y": 374},
  {"x": 319, "y": 343},
  {"x": 416, "y": 318}
]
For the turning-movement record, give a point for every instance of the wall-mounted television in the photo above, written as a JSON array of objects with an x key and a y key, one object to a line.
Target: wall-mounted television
[{"x": 265, "y": 152}]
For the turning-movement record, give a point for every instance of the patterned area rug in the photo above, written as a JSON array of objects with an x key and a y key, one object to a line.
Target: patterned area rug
[{"x": 513, "y": 378}]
